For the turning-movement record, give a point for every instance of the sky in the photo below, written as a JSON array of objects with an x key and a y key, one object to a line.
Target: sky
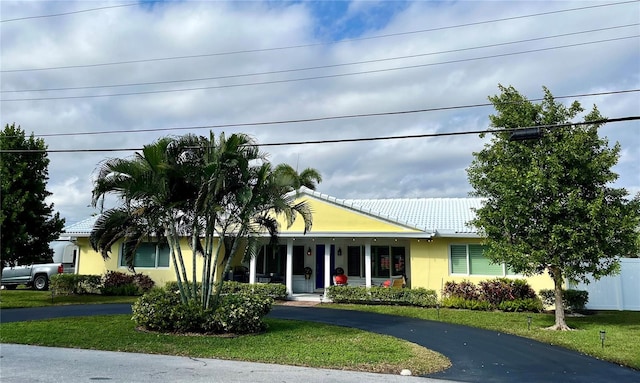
[{"x": 90, "y": 77}]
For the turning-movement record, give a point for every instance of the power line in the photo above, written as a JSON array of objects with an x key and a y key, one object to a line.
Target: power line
[
  {"x": 67, "y": 13},
  {"x": 318, "y": 44},
  {"x": 327, "y": 118},
  {"x": 320, "y": 67},
  {"x": 318, "y": 77},
  {"x": 364, "y": 139}
]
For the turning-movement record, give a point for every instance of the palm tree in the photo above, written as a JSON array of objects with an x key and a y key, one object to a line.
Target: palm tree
[
  {"x": 218, "y": 192},
  {"x": 308, "y": 178},
  {"x": 152, "y": 203}
]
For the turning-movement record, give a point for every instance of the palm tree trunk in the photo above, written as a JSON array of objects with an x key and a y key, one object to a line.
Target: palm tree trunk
[
  {"x": 172, "y": 247},
  {"x": 180, "y": 261}
]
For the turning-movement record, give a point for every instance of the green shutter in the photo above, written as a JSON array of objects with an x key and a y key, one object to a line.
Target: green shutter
[
  {"x": 458, "y": 259},
  {"x": 481, "y": 265},
  {"x": 163, "y": 255},
  {"x": 145, "y": 255}
]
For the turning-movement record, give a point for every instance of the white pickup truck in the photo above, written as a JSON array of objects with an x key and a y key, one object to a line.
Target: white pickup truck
[{"x": 37, "y": 276}]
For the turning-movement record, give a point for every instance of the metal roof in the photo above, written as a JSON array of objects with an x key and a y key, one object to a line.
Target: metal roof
[
  {"x": 444, "y": 217},
  {"x": 441, "y": 216}
]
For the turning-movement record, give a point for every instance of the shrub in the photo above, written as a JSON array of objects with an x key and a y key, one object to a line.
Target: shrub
[
  {"x": 66, "y": 284},
  {"x": 572, "y": 299},
  {"x": 161, "y": 310},
  {"x": 463, "y": 303},
  {"x": 381, "y": 295},
  {"x": 242, "y": 313},
  {"x": 117, "y": 283},
  {"x": 499, "y": 290},
  {"x": 143, "y": 282},
  {"x": 276, "y": 291},
  {"x": 464, "y": 289},
  {"x": 519, "y": 305}
]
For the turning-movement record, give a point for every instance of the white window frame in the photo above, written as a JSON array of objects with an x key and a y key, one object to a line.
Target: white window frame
[
  {"x": 468, "y": 264},
  {"x": 157, "y": 257}
]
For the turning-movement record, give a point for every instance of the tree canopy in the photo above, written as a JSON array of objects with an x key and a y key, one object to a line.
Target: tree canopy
[
  {"x": 27, "y": 223},
  {"x": 221, "y": 192},
  {"x": 549, "y": 202}
]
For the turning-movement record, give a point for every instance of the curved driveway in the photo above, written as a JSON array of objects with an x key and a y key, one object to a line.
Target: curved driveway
[{"x": 477, "y": 355}]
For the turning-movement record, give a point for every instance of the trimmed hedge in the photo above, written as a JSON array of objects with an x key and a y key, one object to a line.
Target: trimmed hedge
[
  {"x": 112, "y": 283},
  {"x": 573, "y": 300},
  {"x": 67, "y": 284},
  {"x": 383, "y": 295}
]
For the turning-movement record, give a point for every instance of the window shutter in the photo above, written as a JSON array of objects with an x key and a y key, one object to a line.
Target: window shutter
[
  {"x": 481, "y": 265},
  {"x": 458, "y": 259}
]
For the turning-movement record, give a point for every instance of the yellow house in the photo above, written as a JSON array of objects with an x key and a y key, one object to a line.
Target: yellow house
[{"x": 372, "y": 240}]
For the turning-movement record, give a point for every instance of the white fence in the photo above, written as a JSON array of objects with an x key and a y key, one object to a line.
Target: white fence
[{"x": 619, "y": 292}]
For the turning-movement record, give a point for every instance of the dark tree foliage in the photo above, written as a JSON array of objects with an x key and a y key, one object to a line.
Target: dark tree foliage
[
  {"x": 550, "y": 205},
  {"x": 28, "y": 224}
]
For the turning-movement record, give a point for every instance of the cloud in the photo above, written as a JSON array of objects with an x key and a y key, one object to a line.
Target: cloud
[{"x": 438, "y": 64}]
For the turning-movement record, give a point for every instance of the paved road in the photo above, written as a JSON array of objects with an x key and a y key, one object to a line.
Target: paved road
[{"x": 477, "y": 355}]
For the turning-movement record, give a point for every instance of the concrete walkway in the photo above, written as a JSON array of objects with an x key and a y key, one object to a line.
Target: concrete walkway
[{"x": 477, "y": 355}]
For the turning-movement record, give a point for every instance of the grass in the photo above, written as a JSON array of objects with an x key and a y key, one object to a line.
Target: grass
[
  {"x": 285, "y": 342},
  {"x": 31, "y": 298},
  {"x": 315, "y": 348},
  {"x": 622, "y": 343}
]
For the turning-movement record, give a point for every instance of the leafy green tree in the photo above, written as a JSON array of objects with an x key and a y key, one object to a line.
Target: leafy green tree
[
  {"x": 549, "y": 204},
  {"x": 28, "y": 224}
]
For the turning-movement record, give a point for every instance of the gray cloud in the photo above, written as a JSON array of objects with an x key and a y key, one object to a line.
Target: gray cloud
[{"x": 426, "y": 167}]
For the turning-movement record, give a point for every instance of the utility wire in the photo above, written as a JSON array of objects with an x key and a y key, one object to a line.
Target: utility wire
[
  {"x": 67, "y": 13},
  {"x": 318, "y": 77},
  {"x": 319, "y": 67},
  {"x": 318, "y": 44},
  {"x": 281, "y": 122},
  {"x": 365, "y": 139}
]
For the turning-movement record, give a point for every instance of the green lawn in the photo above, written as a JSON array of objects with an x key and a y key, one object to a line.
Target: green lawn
[
  {"x": 31, "y": 298},
  {"x": 285, "y": 342},
  {"x": 622, "y": 343}
]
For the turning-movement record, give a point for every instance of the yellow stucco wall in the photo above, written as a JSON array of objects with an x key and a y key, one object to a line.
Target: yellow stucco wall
[
  {"x": 430, "y": 266},
  {"x": 331, "y": 218},
  {"x": 92, "y": 263}
]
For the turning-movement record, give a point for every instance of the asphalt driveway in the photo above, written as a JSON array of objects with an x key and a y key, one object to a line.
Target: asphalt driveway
[{"x": 477, "y": 355}]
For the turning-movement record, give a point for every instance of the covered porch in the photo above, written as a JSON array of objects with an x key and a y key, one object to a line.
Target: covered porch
[{"x": 307, "y": 265}]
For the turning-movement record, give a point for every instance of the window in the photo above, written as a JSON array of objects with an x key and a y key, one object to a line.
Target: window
[
  {"x": 150, "y": 255},
  {"x": 298, "y": 260},
  {"x": 354, "y": 261},
  {"x": 272, "y": 259},
  {"x": 381, "y": 261},
  {"x": 469, "y": 259}
]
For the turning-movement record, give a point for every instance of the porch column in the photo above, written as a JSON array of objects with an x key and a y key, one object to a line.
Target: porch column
[
  {"x": 327, "y": 265},
  {"x": 252, "y": 270},
  {"x": 289, "y": 270},
  {"x": 367, "y": 263}
]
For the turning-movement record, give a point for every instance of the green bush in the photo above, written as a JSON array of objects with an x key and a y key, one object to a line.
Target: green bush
[
  {"x": 117, "y": 283},
  {"x": 67, "y": 284},
  {"x": 240, "y": 313},
  {"x": 573, "y": 300},
  {"x": 276, "y": 291},
  {"x": 463, "y": 303},
  {"x": 519, "y": 305},
  {"x": 382, "y": 295},
  {"x": 464, "y": 289}
]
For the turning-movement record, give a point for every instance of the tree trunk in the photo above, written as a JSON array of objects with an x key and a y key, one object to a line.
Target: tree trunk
[{"x": 560, "y": 324}]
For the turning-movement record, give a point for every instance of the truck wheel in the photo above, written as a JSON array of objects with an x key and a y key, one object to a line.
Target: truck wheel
[{"x": 41, "y": 282}]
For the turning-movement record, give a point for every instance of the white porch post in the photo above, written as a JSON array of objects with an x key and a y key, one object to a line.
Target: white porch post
[
  {"x": 367, "y": 262},
  {"x": 327, "y": 265},
  {"x": 252, "y": 270},
  {"x": 289, "y": 270}
]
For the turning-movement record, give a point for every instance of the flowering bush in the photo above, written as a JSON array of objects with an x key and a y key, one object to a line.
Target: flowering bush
[
  {"x": 66, "y": 284},
  {"x": 382, "y": 295},
  {"x": 117, "y": 283},
  {"x": 499, "y": 293}
]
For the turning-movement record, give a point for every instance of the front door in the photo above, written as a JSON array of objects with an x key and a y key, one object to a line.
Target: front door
[{"x": 320, "y": 264}]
